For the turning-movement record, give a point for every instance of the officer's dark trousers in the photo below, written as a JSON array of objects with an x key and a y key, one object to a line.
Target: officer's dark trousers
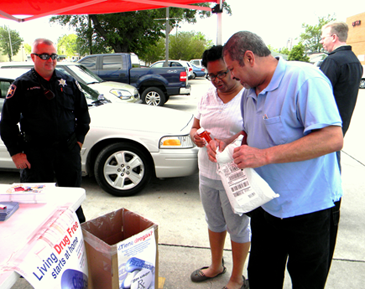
[
  {"x": 53, "y": 163},
  {"x": 301, "y": 243}
]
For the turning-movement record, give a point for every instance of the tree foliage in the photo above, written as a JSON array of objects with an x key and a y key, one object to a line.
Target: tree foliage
[
  {"x": 127, "y": 31},
  {"x": 27, "y": 48},
  {"x": 7, "y": 37},
  {"x": 154, "y": 52},
  {"x": 298, "y": 53},
  {"x": 194, "y": 44},
  {"x": 284, "y": 50},
  {"x": 312, "y": 35},
  {"x": 67, "y": 45}
]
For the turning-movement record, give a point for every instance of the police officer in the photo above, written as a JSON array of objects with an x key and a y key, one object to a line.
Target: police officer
[{"x": 54, "y": 119}]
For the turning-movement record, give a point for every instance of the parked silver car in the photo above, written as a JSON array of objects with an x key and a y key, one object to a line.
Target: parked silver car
[
  {"x": 114, "y": 91},
  {"x": 176, "y": 63},
  {"x": 127, "y": 143}
]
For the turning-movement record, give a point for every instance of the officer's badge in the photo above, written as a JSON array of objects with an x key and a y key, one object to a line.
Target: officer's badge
[
  {"x": 62, "y": 82},
  {"x": 78, "y": 85},
  {"x": 11, "y": 91}
]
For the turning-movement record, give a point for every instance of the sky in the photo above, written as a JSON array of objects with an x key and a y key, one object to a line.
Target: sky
[{"x": 274, "y": 21}]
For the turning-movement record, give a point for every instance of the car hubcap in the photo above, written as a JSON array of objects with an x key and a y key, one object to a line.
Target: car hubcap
[
  {"x": 123, "y": 170},
  {"x": 153, "y": 98}
]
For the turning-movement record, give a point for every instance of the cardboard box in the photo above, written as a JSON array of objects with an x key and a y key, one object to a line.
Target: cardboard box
[{"x": 110, "y": 236}]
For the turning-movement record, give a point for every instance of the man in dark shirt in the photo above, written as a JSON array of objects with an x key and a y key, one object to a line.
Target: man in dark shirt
[
  {"x": 54, "y": 119},
  {"x": 344, "y": 70}
]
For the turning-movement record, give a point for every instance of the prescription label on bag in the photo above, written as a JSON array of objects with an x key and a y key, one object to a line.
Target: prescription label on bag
[
  {"x": 237, "y": 183},
  {"x": 245, "y": 189}
]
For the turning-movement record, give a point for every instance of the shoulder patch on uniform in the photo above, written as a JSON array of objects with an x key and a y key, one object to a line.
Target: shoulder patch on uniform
[
  {"x": 11, "y": 91},
  {"x": 78, "y": 85}
]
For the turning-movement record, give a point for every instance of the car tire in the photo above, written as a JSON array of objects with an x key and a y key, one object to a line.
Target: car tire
[
  {"x": 153, "y": 96},
  {"x": 194, "y": 76},
  {"x": 122, "y": 169},
  {"x": 362, "y": 83}
]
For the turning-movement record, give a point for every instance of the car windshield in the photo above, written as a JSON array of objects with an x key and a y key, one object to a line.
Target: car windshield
[{"x": 85, "y": 74}]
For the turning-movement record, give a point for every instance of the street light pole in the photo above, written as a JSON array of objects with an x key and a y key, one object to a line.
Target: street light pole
[
  {"x": 11, "y": 46},
  {"x": 167, "y": 36}
]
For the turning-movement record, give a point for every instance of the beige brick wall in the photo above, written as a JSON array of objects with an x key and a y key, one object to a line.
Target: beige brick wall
[{"x": 356, "y": 37}]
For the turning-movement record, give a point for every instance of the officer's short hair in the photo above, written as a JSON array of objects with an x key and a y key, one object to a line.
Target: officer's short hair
[{"x": 41, "y": 40}]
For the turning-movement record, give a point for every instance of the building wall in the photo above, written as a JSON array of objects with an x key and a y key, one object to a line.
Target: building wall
[{"x": 356, "y": 37}]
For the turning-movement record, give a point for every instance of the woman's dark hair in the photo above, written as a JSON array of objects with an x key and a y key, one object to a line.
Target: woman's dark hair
[{"x": 212, "y": 54}]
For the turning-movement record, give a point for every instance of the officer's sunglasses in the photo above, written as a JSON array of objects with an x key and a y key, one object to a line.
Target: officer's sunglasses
[{"x": 45, "y": 56}]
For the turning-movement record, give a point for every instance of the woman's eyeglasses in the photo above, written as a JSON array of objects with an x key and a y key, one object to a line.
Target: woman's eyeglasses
[
  {"x": 45, "y": 56},
  {"x": 220, "y": 75}
]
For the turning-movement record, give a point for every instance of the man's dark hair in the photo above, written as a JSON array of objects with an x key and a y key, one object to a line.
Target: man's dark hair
[
  {"x": 242, "y": 41},
  {"x": 212, "y": 54}
]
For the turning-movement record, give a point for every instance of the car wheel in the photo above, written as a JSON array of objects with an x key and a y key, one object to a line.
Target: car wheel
[
  {"x": 122, "y": 169},
  {"x": 362, "y": 83},
  {"x": 194, "y": 75},
  {"x": 153, "y": 96}
]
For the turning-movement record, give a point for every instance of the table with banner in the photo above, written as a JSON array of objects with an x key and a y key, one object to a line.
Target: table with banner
[{"x": 43, "y": 241}]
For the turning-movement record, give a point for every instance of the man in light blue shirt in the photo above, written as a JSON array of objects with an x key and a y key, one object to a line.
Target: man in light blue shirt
[{"x": 293, "y": 131}]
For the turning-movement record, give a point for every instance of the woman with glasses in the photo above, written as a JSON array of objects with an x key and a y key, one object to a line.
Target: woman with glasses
[{"x": 218, "y": 112}]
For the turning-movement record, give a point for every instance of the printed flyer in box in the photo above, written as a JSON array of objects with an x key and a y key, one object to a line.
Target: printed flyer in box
[
  {"x": 136, "y": 261},
  {"x": 57, "y": 256}
]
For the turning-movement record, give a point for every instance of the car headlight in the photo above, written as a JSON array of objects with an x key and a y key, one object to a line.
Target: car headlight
[
  {"x": 121, "y": 93},
  {"x": 176, "y": 142}
]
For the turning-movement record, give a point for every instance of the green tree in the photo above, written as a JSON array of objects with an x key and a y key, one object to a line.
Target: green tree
[
  {"x": 312, "y": 35},
  {"x": 27, "y": 48},
  {"x": 272, "y": 49},
  {"x": 284, "y": 50},
  {"x": 128, "y": 31},
  {"x": 10, "y": 41},
  {"x": 298, "y": 54},
  {"x": 194, "y": 45},
  {"x": 67, "y": 45},
  {"x": 154, "y": 52}
]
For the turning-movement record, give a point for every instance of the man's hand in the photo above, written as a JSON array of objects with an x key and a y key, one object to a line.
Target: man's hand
[
  {"x": 249, "y": 157},
  {"x": 20, "y": 160},
  {"x": 318, "y": 143}
]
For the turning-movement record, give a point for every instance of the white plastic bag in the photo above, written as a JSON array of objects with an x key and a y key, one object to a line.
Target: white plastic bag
[{"x": 245, "y": 189}]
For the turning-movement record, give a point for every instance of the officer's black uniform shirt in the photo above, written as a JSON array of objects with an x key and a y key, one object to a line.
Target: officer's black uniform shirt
[
  {"x": 344, "y": 70},
  {"x": 45, "y": 121}
]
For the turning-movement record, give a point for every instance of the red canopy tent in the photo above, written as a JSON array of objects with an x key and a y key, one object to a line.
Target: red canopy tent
[{"x": 11, "y": 9}]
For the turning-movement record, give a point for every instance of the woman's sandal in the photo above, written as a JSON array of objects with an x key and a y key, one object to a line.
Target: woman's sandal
[{"x": 198, "y": 275}]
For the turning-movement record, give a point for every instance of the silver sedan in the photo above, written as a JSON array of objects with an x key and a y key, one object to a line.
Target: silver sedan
[{"x": 127, "y": 143}]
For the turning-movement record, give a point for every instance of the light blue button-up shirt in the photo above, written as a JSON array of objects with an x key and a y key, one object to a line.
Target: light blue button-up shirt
[{"x": 298, "y": 100}]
